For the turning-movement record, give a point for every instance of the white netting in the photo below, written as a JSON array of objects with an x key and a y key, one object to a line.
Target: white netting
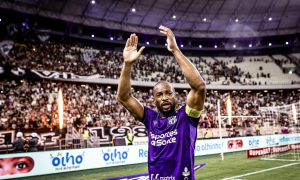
[{"x": 286, "y": 120}]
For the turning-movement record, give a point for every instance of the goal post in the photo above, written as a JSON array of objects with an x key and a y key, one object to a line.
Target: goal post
[{"x": 279, "y": 121}]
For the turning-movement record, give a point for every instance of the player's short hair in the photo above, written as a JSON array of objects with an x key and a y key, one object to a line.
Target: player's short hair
[{"x": 162, "y": 82}]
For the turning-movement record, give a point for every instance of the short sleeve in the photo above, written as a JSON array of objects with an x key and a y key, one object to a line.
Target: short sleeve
[{"x": 148, "y": 116}]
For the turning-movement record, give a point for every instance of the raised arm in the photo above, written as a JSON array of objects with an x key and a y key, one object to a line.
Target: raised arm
[
  {"x": 130, "y": 55},
  {"x": 197, "y": 94}
]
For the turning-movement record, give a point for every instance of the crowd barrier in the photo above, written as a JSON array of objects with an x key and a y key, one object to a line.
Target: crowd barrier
[{"x": 49, "y": 162}]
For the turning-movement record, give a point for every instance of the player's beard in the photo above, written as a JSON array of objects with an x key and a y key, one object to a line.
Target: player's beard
[{"x": 167, "y": 112}]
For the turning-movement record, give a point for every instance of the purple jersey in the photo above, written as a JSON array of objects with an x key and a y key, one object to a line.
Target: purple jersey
[{"x": 171, "y": 145}]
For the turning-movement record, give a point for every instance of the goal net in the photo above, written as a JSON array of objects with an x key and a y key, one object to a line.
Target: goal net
[{"x": 281, "y": 126}]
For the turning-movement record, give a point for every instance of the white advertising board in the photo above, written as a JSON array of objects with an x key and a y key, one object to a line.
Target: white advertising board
[
  {"x": 213, "y": 146},
  {"x": 49, "y": 162}
]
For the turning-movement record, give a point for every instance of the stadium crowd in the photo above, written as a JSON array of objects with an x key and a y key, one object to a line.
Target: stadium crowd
[
  {"x": 30, "y": 104},
  {"x": 68, "y": 58},
  {"x": 236, "y": 75}
]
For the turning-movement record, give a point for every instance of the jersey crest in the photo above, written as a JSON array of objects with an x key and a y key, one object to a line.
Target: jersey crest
[{"x": 172, "y": 119}]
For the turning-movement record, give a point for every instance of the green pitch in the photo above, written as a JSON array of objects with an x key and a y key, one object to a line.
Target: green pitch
[{"x": 235, "y": 164}]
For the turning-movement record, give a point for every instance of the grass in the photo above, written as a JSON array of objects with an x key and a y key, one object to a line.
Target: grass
[{"x": 234, "y": 164}]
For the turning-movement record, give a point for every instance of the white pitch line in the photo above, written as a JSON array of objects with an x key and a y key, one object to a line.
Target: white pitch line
[{"x": 230, "y": 178}]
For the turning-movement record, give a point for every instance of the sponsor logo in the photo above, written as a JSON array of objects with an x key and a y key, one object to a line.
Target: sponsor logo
[
  {"x": 143, "y": 153},
  {"x": 253, "y": 142},
  {"x": 113, "y": 156},
  {"x": 155, "y": 177},
  {"x": 270, "y": 140},
  {"x": 209, "y": 146},
  {"x": 66, "y": 161},
  {"x": 284, "y": 139},
  {"x": 172, "y": 119},
  {"x": 163, "y": 139},
  {"x": 259, "y": 152},
  {"x": 186, "y": 172}
]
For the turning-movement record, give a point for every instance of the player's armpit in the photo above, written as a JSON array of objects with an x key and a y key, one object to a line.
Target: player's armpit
[{"x": 192, "y": 112}]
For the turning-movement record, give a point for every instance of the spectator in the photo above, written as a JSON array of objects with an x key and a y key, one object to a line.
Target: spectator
[
  {"x": 19, "y": 143},
  {"x": 129, "y": 137},
  {"x": 233, "y": 133},
  {"x": 33, "y": 143}
]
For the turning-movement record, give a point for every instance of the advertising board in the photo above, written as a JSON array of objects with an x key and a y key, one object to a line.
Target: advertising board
[
  {"x": 49, "y": 162},
  {"x": 272, "y": 150}
]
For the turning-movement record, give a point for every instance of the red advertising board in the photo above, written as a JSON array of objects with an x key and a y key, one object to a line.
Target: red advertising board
[{"x": 272, "y": 150}]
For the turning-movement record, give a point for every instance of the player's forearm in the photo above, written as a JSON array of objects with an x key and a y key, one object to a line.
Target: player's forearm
[
  {"x": 124, "y": 87},
  {"x": 190, "y": 72}
]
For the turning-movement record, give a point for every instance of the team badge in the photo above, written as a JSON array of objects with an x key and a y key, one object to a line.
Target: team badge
[
  {"x": 172, "y": 119},
  {"x": 185, "y": 172},
  {"x": 155, "y": 122}
]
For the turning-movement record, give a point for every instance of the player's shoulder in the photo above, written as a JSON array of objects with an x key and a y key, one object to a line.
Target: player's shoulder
[
  {"x": 149, "y": 113},
  {"x": 182, "y": 109},
  {"x": 149, "y": 110},
  {"x": 181, "y": 112}
]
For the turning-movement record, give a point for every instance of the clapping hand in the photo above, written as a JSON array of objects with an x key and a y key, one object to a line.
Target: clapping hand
[
  {"x": 172, "y": 45},
  {"x": 130, "y": 52}
]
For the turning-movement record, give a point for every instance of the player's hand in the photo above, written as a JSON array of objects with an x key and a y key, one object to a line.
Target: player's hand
[
  {"x": 172, "y": 45},
  {"x": 130, "y": 53}
]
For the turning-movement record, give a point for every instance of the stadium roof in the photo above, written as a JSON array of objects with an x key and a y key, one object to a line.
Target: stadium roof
[{"x": 189, "y": 18}]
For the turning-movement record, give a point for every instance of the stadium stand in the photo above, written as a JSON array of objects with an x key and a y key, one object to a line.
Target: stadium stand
[
  {"x": 32, "y": 105},
  {"x": 262, "y": 69},
  {"x": 247, "y": 70}
]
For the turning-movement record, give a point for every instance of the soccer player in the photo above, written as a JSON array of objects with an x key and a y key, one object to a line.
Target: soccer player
[{"x": 172, "y": 134}]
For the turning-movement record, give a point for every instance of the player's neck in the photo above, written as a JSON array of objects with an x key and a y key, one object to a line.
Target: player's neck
[{"x": 166, "y": 114}]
